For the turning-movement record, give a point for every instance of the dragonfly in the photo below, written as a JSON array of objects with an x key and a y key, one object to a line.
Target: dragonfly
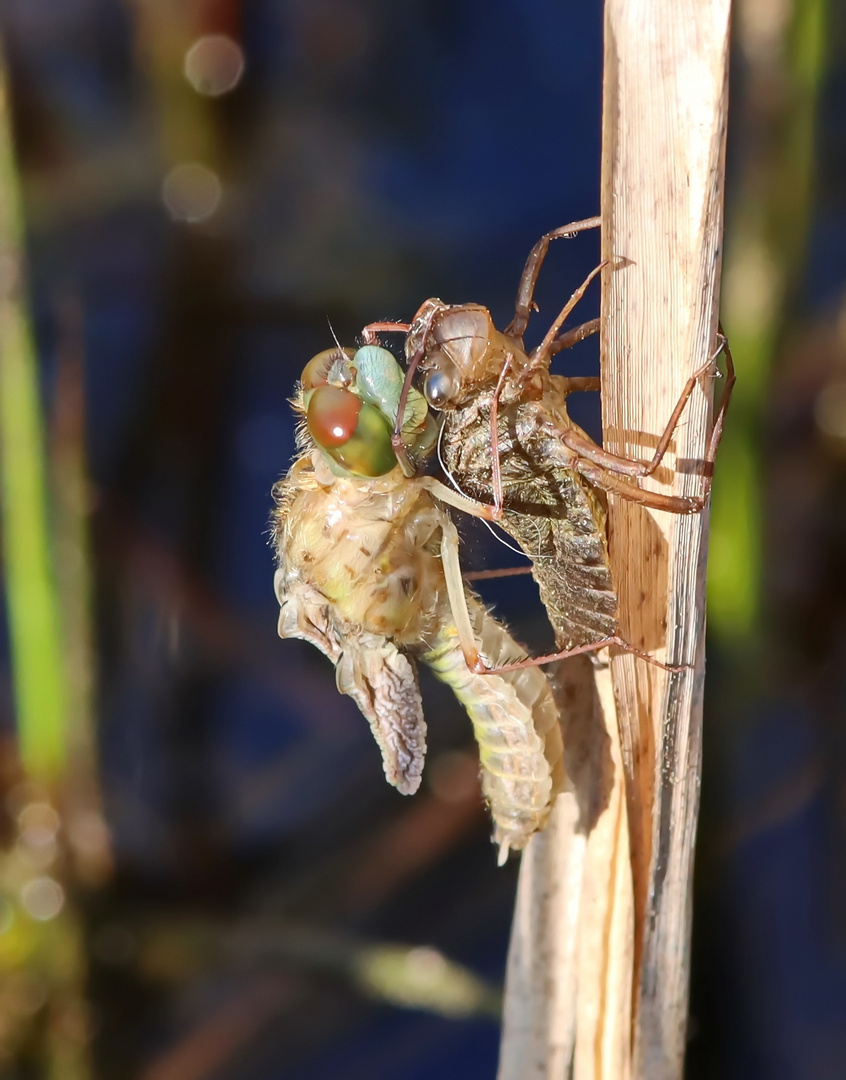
[
  {"x": 369, "y": 573},
  {"x": 508, "y": 442}
]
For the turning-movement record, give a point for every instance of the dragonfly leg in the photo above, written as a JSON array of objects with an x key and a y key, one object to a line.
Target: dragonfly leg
[
  {"x": 505, "y": 571},
  {"x": 572, "y": 337},
  {"x": 496, "y": 466},
  {"x": 372, "y": 329},
  {"x": 627, "y": 489},
  {"x": 574, "y": 384},
  {"x": 467, "y": 639},
  {"x": 608, "y": 471},
  {"x": 459, "y": 501},
  {"x": 592, "y": 646},
  {"x": 455, "y": 593},
  {"x": 526, "y": 290},
  {"x": 413, "y": 363},
  {"x": 586, "y": 448},
  {"x": 542, "y": 354}
]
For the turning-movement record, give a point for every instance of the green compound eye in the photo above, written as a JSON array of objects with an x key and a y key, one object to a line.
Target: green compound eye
[{"x": 352, "y": 432}]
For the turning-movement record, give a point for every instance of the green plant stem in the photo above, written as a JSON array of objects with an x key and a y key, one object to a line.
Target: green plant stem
[
  {"x": 765, "y": 257},
  {"x": 31, "y": 598}
]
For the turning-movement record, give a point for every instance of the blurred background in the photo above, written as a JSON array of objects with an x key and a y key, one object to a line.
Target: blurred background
[{"x": 192, "y": 191}]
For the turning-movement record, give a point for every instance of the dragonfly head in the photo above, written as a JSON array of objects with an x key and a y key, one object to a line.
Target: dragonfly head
[{"x": 350, "y": 399}]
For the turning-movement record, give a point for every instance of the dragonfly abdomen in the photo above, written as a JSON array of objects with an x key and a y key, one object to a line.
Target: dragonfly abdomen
[{"x": 515, "y": 721}]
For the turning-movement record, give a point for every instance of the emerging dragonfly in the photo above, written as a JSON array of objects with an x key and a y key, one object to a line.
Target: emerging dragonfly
[
  {"x": 509, "y": 442},
  {"x": 369, "y": 573}
]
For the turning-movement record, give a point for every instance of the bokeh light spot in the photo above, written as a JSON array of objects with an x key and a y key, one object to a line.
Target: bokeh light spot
[
  {"x": 214, "y": 65},
  {"x": 38, "y": 823},
  {"x": 43, "y": 898},
  {"x": 191, "y": 192}
]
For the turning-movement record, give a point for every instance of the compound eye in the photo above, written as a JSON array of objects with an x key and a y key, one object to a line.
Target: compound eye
[
  {"x": 316, "y": 371},
  {"x": 439, "y": 388},
  {"x": 332, "y": 416}
]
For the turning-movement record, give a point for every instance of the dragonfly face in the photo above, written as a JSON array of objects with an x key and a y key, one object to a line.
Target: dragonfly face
[{"x": 350, "y": 400}]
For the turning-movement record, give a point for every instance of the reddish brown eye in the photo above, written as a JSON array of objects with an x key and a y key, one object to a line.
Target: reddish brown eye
[
  {"x": 332, "y": 415},
  {"x": 316, "y": 371}
]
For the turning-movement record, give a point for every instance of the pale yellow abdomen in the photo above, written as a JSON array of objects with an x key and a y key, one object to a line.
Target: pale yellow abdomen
[{"x": 373, "y": 554}]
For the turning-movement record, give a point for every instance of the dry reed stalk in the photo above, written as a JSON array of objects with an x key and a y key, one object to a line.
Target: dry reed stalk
[
  {"x": 568, "y": 986},
  {"x": 599, "y": 962},
  {"x": 664, "y": 123}
]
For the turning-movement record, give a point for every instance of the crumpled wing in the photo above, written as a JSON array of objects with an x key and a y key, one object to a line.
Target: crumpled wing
[
  {"x": 383, "y": 683},
  {"x": 370, "y": 669}
]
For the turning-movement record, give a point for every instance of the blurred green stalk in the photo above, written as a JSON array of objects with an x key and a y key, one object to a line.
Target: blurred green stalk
[
  {"x": 31, "y": 598},
  {"x": 43, "y": 949},
  {"x": 765, "y": 257}
]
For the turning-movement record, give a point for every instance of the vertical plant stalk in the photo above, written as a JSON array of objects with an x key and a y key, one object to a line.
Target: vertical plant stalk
[
  {"x": 49, "y": 943},
  {"x": 784, "y": 51},
  {"x": 664, "y": 124},
  {"x": 567, "y": 1008},
  {"x": 31, "y": 599}
]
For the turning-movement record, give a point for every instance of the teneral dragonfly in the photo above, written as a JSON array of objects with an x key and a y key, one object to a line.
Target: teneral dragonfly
[{"x": 369, "y": 573}]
